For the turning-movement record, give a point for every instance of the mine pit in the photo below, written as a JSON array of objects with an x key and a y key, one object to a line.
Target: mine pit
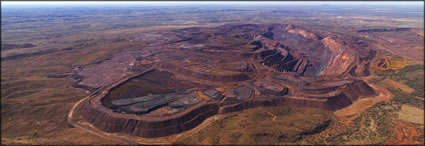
[{"x": 196, "y": 73}]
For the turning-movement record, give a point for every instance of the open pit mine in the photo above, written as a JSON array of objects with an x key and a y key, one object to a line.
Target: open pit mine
[{"x": 182, "y": 77}]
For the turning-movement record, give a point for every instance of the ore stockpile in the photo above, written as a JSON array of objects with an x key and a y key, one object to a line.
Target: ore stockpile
[{"x": 182, "y": 77}]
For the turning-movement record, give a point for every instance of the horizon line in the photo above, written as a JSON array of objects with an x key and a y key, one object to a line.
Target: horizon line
[{"x": 50, "y": 3}]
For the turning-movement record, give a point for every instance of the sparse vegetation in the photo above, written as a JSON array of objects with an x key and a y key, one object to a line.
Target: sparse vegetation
[
  {"x": 256, "y": 126},
  {"x": 412, "y": 76},
  {"x": 371, "y": 127},
  {"x": 375, "y": 126}
]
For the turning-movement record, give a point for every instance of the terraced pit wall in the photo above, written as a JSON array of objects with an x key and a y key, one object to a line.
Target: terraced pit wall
[
  {"x": 336, "y": 102},
  {"x": 107, "y": 121},
  {"x": 145, "y": 126}
]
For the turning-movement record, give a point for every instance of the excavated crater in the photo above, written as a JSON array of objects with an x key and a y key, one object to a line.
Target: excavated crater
[{"x": 185, "y": 76}]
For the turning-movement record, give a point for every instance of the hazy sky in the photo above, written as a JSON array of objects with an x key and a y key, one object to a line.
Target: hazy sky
[{"x": 418, "y": 3}]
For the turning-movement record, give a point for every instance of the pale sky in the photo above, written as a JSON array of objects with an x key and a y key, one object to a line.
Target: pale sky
[{"x": 418, "y": 3}]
